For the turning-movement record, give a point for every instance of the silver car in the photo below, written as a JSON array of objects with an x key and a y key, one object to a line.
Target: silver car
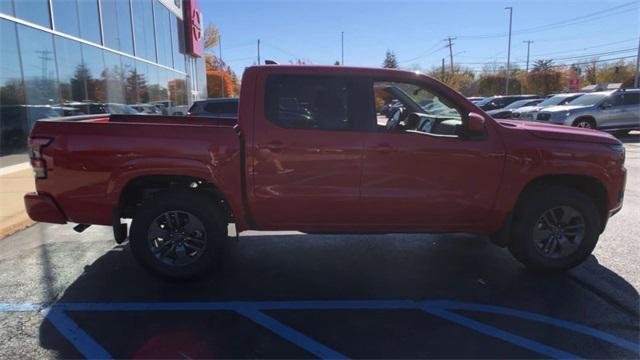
[
  {"x": 617, "y": 110},
  {"x": 530, "y": 112}
]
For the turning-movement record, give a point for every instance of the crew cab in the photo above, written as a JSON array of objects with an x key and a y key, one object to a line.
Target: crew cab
[{"x": 312, "y": 151}]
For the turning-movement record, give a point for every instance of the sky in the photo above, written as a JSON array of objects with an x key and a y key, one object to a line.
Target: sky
[{"x": 566, "y": 31}]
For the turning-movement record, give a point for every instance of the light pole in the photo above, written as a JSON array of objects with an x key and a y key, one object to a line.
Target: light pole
[
  {"x": 522, "y": 81},
  {"x": 635, "y": 83},
  {"x": 342, "y": 47},
  {"x": 221, "y": 62},
  {"x": 506, "y": 91}
]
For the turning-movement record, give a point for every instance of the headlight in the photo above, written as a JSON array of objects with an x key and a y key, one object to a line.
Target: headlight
[{"x": 618, "y": 148}]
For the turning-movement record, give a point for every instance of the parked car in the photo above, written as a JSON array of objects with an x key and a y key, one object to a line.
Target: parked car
[
  {"x": 224, "y": 108},
  {"x": 474, "y": 99},
  {"x": 617, "y": 110},
  {"x": 103, "y": 108},
  {"x": 183, "y": 180},
  {"x": 67, "y": 111},
  {"x": 146, "y": 109},
  {"x": 168, "y": 107},
  {"x": 15, "y": 123},
  {"x": 530, "y": 112},
  {"x": 506, "y": 112},
  {"x": 499, "y": 102}
]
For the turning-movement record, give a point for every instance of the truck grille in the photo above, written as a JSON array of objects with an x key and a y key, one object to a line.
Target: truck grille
[{"x": 543, "y": 116}]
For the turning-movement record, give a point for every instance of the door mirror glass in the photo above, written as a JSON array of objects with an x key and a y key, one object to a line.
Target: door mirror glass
[{"x": 475, "y": 123}]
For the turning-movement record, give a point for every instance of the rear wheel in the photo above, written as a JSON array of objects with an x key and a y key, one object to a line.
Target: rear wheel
[
  {"x": 586, "y": 123},
  {"x": 178, "y": 234},
  {"x": 554, "y": 229}
]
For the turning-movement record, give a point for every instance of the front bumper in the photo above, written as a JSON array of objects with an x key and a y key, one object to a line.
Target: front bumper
[{"x": 42, "y": 207}]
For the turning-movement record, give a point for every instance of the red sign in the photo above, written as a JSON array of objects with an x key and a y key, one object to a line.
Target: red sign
[{"x": 195, "y": 28}]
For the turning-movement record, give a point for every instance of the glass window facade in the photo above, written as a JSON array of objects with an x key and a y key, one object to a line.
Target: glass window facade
[
  {"x": 163, "y": 34},
  {"x": 35, "y": 11},
  {"x": 144, "y": 29},
  {"x": 49, "y": 73},
  {"x": 116, "y": 24}
]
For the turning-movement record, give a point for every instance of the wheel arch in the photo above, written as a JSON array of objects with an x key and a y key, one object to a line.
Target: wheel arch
[
  {"x": 590, "y": 186},
  {"x": 590, "y": 118}
]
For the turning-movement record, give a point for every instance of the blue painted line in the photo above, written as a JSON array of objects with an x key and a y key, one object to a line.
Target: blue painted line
[
  {"x": 76, "y": 336},
  {"x": 291, "y": 334},
  {"x": 612, "y": 339},
  {"x": 500, "y": 334},
  {"x": 239, "y": 305},
  {"x": 20, "y": 307}
]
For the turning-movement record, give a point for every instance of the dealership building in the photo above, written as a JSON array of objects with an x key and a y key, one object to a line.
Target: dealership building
[{"x": 71, "y": 57}]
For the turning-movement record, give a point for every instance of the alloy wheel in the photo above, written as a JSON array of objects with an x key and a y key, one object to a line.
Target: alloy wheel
[
  {"x": 559, "y": 232},
  {"x": 177, "y": 238}
]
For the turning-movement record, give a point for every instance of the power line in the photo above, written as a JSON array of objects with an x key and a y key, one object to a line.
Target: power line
[
  {"x": 568, "y": 22},
  {"x": 426, "y": 53}
]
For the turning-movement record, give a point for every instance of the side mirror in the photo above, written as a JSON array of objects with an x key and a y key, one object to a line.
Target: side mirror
[{"x": 475, "y": 123}]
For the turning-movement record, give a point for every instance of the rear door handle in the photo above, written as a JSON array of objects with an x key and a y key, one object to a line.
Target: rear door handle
[{"x": 384, "y": 148}]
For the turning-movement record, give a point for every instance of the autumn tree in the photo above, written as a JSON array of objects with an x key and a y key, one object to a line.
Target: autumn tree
[
  {"x": 390, "y": 60},
  {"x": 221, "y": 80}
]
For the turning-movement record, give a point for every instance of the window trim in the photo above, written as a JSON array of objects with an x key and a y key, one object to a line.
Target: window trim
[{"x": 358, "y": 125}]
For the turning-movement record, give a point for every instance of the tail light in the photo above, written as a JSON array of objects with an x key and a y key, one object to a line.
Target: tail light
[{"x": 38, "y": 162}]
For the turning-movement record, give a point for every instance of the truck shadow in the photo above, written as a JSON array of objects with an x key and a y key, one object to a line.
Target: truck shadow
[{"x": 455, "y": 267}]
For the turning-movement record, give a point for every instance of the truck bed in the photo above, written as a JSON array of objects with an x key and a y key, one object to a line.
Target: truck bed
[{"x": 91, "y": 159}]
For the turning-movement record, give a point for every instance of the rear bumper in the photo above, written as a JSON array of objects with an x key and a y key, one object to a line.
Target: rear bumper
[{"x": 43, "y": 208}]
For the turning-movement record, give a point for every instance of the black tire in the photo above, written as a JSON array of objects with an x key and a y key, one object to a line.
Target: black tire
[
  {"x": 197, "y": 205},
  {"x": 587, "y": 123},
  {"x": 528, "y": 215}
]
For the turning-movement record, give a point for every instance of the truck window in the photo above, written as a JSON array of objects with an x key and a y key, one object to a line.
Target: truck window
[
  {"x": 432, "y": 113},
  {"x": 307, "y": 102}
]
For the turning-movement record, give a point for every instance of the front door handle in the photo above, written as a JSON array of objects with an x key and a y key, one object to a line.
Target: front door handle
[{"x": 275, "y": 145}]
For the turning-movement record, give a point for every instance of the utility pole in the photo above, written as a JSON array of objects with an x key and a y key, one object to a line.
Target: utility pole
[
  {"x": 506, "y": 91},
  {"x": 258, "y": 51},
  {"x": 342, "y": 47},
  {"x": 450, "y": 46},
  {"x": 635, "y": 83},
  {"x": 442, "y": 78},
  {"x": 221, "y": 62}
]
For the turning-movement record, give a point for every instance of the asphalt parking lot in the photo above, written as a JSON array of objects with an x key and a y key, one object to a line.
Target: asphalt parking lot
[{"x": 291, "y": 295}]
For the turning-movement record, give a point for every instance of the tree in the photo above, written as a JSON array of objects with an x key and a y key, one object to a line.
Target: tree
[
  {"x": 336, "y": 62},
  {"x": 211, "y": 37},
  {"x": 542, "y": 65},
  {"x": 390, "y": 61},
  {"x": 545, "y": 82},
  {"x": 221, "y": 80}
]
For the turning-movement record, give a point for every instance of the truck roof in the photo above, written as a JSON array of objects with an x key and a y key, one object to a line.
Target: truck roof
[{"x": 336, "y": 69}]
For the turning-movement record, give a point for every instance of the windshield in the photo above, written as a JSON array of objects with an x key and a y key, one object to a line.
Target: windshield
[
  {"x": 554, "y": 100},
  {"x": 519, "y": 103},
  {"x": 485, "y": 101},
  {"x": 588, "y": 99}
]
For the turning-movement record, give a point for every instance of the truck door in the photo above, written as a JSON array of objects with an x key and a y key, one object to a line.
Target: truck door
[
  {"x": 424, "y": 173},
  {"x": 307, "y": 151}
]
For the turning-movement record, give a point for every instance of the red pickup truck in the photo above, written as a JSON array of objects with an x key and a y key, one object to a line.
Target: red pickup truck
[{"x": 329, "y": 149}]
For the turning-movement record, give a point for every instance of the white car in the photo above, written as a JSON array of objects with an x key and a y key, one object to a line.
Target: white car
[{"x": 530, "y": 112}]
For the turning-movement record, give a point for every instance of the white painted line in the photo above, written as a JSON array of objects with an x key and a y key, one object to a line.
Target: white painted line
[{"x": 14, "y": 168}]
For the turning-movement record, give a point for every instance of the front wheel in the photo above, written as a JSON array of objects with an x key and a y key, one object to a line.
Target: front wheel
[
  {"x": 178, "y": 234},
  {"x": 554, "y": 229},
  {"x": 585, "y": 123}
]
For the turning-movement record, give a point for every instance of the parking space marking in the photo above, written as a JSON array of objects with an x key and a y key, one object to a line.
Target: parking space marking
[
  {"x": 500, "y": 334},
  {"x": 84, "y": 343},
  {"x": 443, "y": 309},
  {"x": 291, "y": 334}
]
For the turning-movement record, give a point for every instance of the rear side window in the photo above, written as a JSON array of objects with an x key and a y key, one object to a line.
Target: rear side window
[
  {"x": 631, "y": 99},
  {"x": 307, "y": 102},
  {"x": 230, "y": 107}
]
